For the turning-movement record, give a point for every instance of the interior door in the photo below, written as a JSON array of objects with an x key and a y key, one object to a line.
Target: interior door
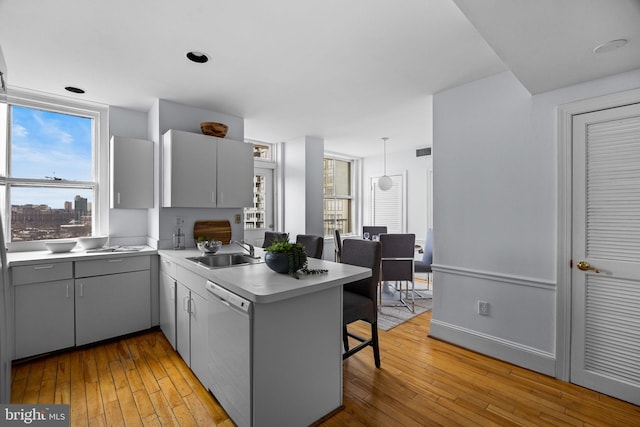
[
  {"x": 389, "y": 207},
  {"x": 605, "y": 326},
  {"x": 259, "y": 218}
]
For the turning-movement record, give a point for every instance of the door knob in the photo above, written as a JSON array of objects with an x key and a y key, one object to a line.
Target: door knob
[{"x": 585, "y": 266}]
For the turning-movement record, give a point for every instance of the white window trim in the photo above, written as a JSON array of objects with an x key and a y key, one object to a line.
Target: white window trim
[
  {"x": 100, "y": 114},
  {"x": 356, "y": 190}
]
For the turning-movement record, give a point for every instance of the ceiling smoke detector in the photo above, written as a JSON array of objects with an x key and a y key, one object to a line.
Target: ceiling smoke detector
[{"x": 197, "y": 57}]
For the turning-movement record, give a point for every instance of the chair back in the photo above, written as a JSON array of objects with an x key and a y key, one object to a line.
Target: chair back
[
  {"x": 397, "y": 256},
  {"x": 374, "y": 230},
  {"x": 427, "y": 255},
  {"x": 312, "y": 245},
  {"x": 337, "y": 241},
  {"x": 424, "y": 265},
  {"x": 363, "y": 253},
  {"x": 272, "y": 236}
]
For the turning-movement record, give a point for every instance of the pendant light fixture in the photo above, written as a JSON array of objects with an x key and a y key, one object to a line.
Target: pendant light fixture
[{"x": 384, "y": 182}]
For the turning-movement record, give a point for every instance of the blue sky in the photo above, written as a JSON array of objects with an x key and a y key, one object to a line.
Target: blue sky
[{"x": 48, "y": 144}]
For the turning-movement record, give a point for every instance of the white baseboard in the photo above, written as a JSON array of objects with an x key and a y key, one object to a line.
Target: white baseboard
[{"x": 501, "y": 349}]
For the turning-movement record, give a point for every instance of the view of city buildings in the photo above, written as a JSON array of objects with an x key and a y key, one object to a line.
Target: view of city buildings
[{"x": 41, "y": 222}]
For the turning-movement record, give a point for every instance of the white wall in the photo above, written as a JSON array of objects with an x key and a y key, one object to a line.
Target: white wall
[
  {"x": 495, "y": 210},
  {"x": 303, "y": 174},
  {"x": 127, "y": 226}
]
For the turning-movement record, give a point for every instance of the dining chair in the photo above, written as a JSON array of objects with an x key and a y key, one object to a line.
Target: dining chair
[
  {"x": 424, "y": 265},
  {"x": 312, "y": 244},
  {"x": 272, "y": 236},
  {"x": 397, "y": 265},
  {"x": 374, "y": 230},
  {"x": 359, "y": 299},
  {"x": 337, "y": 242}
]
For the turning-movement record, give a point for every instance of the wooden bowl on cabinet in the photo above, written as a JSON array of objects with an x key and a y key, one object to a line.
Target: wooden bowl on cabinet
[{"x": 214, "y": 129}]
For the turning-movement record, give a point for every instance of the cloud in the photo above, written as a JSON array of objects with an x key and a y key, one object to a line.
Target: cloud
[
  {"x": 19, "y": 131},
  {"x": 51, "y": 128}
]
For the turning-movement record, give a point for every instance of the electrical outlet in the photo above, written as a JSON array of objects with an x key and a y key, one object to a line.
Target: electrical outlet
[
  {"x": 179, "y": 221},
  {"x": 483, "y": 308}
]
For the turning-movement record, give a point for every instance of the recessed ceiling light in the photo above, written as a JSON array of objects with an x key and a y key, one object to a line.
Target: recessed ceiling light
[
  {"x": 73, "y": 89},
  {"x": 610, "y": 45},
  {"x": 198, "y": 57}
]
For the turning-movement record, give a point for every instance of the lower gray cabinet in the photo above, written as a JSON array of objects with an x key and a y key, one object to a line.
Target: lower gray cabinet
[
  {"x": 44, "y": 317},
  {"x": 112, "y": 305},
  {"x": 192, "y": 330},
  {"x": 168, "y": 307},
  {"x": 55, "y": 308}
]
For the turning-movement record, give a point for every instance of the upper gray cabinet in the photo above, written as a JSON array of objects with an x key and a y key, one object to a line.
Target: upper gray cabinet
[
  {"x": 131, "y": 173},
  {"x": 201, "y": 171}
]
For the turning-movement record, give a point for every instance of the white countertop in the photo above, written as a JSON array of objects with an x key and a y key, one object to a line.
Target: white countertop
[
  {"x": 259, "y": 284},
  {"x": 78, "y": 254}
]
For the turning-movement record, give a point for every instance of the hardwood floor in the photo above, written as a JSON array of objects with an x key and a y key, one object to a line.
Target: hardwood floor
[{"x": 141, "y": 381}]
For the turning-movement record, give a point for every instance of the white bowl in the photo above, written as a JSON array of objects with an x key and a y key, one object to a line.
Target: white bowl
[
  {"x": 61, "y": 245},
  {"x": 93, "y": 242}
]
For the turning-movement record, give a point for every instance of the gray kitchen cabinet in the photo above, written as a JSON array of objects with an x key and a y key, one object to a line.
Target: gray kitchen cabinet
[
  {"x": 235, "y": 174},
  {"x": 189, "y": 170},
  {"x": 113, "y": 297},
  {"x": 43, "y": 308},
  {"x": 168, "y": 300},
  {"x": 191, "y": 322},
  {"x": 131, "y": 170},
  {"x": 204, "y": 171}
]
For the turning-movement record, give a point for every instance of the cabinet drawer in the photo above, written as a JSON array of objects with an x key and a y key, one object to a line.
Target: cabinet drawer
[
  {"x": 122, "y": 264},
  {"x": 168, "y": 267},
  {"x": 42, "y": 272}
]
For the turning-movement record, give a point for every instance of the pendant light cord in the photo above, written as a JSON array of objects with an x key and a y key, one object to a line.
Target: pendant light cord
[{"x": 385, "y": 155}]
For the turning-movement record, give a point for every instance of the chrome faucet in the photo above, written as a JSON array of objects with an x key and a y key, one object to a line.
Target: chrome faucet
[{"x": 249, "y": 247}]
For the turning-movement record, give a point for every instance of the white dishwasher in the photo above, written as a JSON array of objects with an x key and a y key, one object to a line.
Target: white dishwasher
[{"x": 230, "y": 352}]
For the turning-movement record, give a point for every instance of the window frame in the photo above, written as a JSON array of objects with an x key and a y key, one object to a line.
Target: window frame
[
  {"x": 355, "y": 193},
  {"x": 100, "y": 163},
  {"x": 264, "y": 163}
]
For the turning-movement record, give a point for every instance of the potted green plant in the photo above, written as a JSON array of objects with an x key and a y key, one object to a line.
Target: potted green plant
[{"x": 285, "y": 257}]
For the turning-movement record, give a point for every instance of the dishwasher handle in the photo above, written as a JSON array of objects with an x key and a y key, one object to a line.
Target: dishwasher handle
[{"x": 229, "y": 298}]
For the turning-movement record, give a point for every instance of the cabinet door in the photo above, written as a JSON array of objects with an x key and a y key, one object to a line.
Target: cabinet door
[
  {"x": 199, "y": 337},
  {"x": 235, "y": 174},
  {"x": 189, "y": 170},
  {"x": 168, "y": 307},
  {"x": 112, "y": 305},
  {"x": 131, "y": 173},
  {"x": 43, "y": 317},
  {"x": 183, "y": 324}
]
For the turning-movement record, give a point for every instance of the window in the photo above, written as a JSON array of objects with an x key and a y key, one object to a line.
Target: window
[
  {"x": 50, "y": 172},
  {"x": 261, "y": 150},
  {"x": 338, "y": 196},
  {"x": 260, "y": 215}
]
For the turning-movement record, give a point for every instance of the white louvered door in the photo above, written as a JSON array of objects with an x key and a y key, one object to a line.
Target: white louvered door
[
  {"x": 605, "y": 331},
  {"x": 389, "y": 207}
]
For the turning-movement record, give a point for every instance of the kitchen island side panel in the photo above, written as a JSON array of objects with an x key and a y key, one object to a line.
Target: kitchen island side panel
[{"x": 297, "y": 359}]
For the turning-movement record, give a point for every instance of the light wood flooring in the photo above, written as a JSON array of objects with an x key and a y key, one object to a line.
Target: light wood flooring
[{"x": 141, "y": 381}]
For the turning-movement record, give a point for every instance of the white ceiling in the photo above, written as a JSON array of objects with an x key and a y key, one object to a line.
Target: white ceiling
[{"x": 349, "y": 72}]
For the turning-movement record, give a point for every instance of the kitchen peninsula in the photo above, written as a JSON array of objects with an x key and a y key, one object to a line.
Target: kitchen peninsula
[{"x": 286, "y": 364}]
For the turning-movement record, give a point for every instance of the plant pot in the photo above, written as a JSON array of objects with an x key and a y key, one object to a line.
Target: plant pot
[{"x": 278, "y": 262}]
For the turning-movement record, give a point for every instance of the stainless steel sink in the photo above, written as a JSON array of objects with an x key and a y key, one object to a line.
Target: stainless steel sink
[{"x": 224, "y": 260}]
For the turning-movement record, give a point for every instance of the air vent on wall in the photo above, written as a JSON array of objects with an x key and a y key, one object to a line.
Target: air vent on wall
[{"x": 421, "y": 152}]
